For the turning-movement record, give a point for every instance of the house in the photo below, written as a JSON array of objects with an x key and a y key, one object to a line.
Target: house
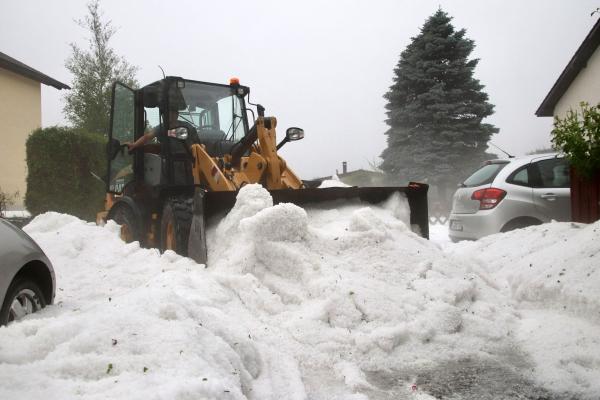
[
  {"x": 362, "y": 178},
  {"x": 20, "y": 114},
  {"x": 359, "y": 177},
  {"x": 579, "y": 81}
]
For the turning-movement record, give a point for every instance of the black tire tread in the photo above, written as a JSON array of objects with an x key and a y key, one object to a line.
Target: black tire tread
[
  {"x": 124, "y": 214},
  {"x": 182, "y": 211},
  {"x": 520, "y": 223},
  {"x": 14, "y": 288}
]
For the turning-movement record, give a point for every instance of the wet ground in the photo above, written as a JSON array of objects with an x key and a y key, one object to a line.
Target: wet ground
[{"x": 464, "y": 379}]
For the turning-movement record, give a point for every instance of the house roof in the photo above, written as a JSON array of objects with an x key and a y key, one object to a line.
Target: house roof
[
  {"x": 18, "y": 67},
  {"x": 577, "y": 63}
]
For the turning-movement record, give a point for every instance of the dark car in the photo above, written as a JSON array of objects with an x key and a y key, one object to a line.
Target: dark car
[{"x": 27, "y": 282}]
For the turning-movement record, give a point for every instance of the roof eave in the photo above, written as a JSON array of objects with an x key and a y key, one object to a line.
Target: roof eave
[
  {"x": 568, "y": 75},
  {"x": 19, "y": 68}
]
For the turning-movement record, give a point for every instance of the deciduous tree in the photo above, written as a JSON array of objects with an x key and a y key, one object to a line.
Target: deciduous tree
[{"x": 94, "y": 69}]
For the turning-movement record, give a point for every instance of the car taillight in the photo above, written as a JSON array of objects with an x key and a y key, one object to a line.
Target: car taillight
[{"x": 488, "y": 198}]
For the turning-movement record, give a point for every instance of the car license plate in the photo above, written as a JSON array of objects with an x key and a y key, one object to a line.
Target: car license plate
[{"x": 455, "y": 225}]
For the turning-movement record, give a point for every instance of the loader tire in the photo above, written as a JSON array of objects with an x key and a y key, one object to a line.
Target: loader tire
[
  {"x": 175, "y": 224},
  {"x": 130, "y": 229}
]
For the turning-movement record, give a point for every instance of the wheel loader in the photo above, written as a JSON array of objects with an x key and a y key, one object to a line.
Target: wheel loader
[{"x": 203, "y": 150}]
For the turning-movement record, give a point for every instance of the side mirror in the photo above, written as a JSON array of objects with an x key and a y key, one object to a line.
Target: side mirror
[
  {"x": 180, "y": 133},
  {"x": 290, "y": 135},
  {"x": 294, "y": 134}
]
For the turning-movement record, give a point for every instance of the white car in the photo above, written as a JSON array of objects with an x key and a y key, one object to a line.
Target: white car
[{"x": 509, "y": 194}]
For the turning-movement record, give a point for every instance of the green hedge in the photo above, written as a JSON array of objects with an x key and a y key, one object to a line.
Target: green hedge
[
  {"x": 578, "y": 136},
  {"x": 59, "y": 161}
]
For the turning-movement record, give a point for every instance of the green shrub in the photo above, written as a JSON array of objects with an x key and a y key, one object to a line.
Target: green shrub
[
  {"x": 59, "y": 162},
  {"x": 6, "y": 200},
  {"x": 578, "y": 136}
]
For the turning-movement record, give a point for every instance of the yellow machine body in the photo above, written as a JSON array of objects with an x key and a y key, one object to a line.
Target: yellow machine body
[{"x": 263, "y": 165}]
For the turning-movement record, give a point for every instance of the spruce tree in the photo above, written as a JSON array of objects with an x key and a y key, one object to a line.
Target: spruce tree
[
  {"x": 435, "y": 109},
  {"x": 94, "y": 69}
]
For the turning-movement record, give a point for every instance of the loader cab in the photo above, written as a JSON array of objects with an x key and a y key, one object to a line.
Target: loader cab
[
  {"x": 214, "y": 114},
  {"x": 179, "y": 112}
]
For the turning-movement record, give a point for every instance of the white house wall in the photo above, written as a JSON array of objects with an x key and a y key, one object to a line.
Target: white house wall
[{"x": 585, "y": 87}]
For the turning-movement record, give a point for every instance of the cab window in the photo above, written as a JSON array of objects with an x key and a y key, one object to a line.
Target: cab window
[
  {"x": 151, "y": 119},
  {"x": 121, "y": 131}
]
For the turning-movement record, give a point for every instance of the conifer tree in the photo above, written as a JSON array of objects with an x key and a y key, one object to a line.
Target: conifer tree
[
  {"x": 94, "y": 69},
  {"x": 435, "y": 109}
]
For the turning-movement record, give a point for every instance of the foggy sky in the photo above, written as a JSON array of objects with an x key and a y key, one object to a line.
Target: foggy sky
[{"x": 320, "y": 65}]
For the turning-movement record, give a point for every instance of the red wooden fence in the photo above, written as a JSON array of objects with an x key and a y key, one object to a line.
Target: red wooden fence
[{"x": 585, "y": 198}]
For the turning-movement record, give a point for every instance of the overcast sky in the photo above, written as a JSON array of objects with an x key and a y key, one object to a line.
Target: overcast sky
[{"x": 321, "y": 65}]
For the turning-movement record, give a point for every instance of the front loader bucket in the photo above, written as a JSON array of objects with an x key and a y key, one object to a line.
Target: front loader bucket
[{"x": 220, "y": 202}]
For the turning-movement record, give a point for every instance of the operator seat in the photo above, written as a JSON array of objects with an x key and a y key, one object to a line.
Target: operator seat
[{"x": 215, "y": 141}]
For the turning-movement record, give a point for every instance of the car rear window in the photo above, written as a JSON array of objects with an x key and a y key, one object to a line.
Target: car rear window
[{"x": 485, "y": 174}]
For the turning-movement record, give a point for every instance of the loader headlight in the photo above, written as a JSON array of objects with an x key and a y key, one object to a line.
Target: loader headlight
[{"x": 294, "y": 134}]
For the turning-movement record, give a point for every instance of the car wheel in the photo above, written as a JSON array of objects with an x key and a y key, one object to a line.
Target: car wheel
[
  {"x": 520, "y": 223},
  {"x": 23, "y": 297}
]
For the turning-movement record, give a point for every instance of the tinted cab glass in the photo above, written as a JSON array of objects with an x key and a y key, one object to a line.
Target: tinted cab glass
[{"x": 122, "y": 129}]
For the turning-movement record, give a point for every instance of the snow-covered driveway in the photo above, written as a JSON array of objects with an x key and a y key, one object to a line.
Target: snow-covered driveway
[{"x": 318, "y": 304}]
